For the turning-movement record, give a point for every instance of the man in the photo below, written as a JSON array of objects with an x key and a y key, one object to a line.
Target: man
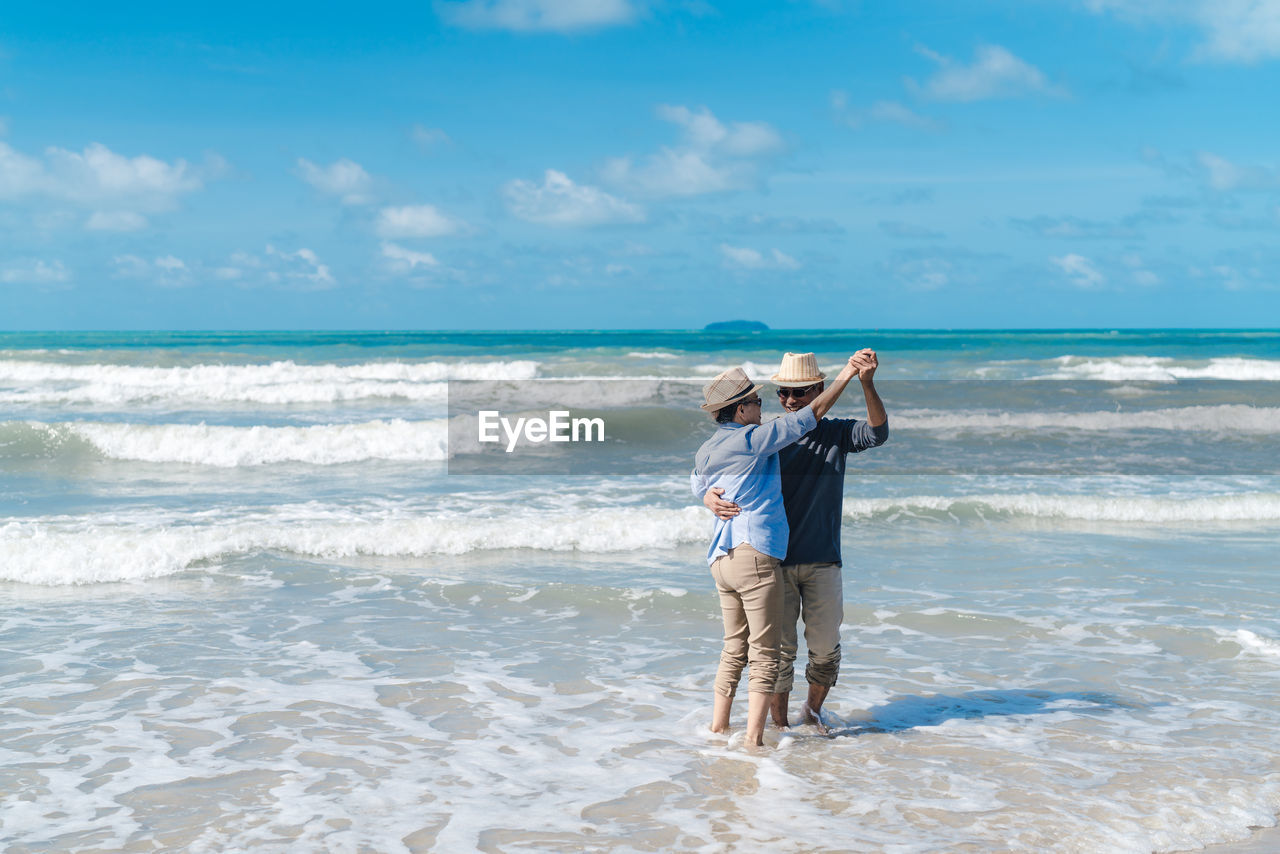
[{"x": 813, "y": 496}]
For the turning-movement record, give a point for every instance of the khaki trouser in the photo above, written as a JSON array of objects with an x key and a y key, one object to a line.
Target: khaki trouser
[
  {"x": 819, "y": 588},
  {"x": 751, "y": 604}
]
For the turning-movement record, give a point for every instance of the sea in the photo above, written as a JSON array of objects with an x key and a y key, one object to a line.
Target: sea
[{"x": 256, "y": 595}]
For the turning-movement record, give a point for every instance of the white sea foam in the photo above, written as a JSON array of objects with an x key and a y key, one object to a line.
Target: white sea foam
[
  {"x": 1251, "y": 642},
  {"x": 225, "y": 446},
  {"x": 1232, "y": 418},
  {"x": 89, "y": 549},
  {"x": 1247, "y": 507},
  {"x": 32, "y": 382},
  {"x": 758, "y": 371},
  {"x": 1163, "y": 369}
]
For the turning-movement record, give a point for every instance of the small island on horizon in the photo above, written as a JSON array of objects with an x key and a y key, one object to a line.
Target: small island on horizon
[{"x": 736, "y": 326}]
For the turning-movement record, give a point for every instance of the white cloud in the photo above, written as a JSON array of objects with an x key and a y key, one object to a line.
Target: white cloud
[
  {"x": 302, "y": 267},
  {"x": 344, "y": 178},
  {"x": 892, "y": 111},
  {"x": 704, "y": 132},
  {"x": 1079, "y": 269},
  {"x": 131, "y": 266},
  {"x": 1224, "y": 175},
  {"x": 881, "y": 111},
  {"x": 1137, "y": 268},
  {"x": 558, "y": 201},
  {"x": 746, "y": 258},
  {"x": 427, "y": 137},
  {"x": 404, "y": 260},
  {"x": 994, "y": 73},
  {"x": 115, "y": 221},
  {"x": 713, "y": 157},
  {"x": 536, "y": 15},
  {"x": 98, "y": 172},
  {"x": 98, "y": 175},
  {"x": 34, "y": 271},
  {"x": 1242, "y": 30},
  {"x": 416, "y": 221},
  {"x": 168, "y": 270},
  {"x": 1235, "y": 30},
  {"x": 673, "y": 172},
  {"x": 925, "y": 273}
]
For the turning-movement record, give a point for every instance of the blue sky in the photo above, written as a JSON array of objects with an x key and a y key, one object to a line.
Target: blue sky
[{"x": 640, "y": 163}]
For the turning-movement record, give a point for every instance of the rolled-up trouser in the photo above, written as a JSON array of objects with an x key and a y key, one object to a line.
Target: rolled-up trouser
[
  {"x": 819, "y": 589},
  {"x": 751, "y": 604}
]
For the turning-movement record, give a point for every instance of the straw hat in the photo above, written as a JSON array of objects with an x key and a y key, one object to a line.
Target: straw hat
[
  {"x": 798, "y": 370},
  {"x": 728, "y": 387}
]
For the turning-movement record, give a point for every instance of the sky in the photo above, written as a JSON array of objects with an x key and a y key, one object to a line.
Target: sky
[{"x": 530, "y": 164}]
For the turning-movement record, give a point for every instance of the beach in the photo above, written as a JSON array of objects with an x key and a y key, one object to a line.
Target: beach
[{"x": 253, "y": 598}]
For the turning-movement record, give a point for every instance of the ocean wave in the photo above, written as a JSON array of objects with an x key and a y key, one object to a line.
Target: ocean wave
[
  {"x": 87, "y": 550},
  {"x": 1162, "y": 369},
  {"x": 227, "y": 446},
  {"x": 34, "y": 382},
  {"x": 1238, "y": 507},
  {"x": 62, "y": 550},
  {"x": 1225, "y": 418}
]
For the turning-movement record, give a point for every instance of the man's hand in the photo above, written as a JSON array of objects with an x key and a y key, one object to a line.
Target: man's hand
[
  {"x": 865, "y": 362},
  {"x": 723, "y": 509},
  {"x": 849, "y": 369}
]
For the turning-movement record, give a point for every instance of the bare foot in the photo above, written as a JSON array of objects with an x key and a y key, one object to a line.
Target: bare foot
[
  {"x": 813, "y": 717},
  {"x": 778, "y": 709}
]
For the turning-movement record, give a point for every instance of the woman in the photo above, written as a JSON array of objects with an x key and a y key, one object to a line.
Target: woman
[{"x": 741, "y": 457}]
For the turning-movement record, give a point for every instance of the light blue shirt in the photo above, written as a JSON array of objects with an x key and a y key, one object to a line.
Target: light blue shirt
[{"x": 742, "y": 459}]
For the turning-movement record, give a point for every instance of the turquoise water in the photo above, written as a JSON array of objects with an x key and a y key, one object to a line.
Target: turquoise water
[{"x": 247, "y": 605}]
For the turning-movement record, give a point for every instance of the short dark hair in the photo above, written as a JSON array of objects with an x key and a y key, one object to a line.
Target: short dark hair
[{"x": 726, "y": 413}]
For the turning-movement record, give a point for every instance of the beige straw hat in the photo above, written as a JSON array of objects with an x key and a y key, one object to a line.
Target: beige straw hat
[
  {"x": 728, "y": 387},
  {"x": 798, "y": 370}
]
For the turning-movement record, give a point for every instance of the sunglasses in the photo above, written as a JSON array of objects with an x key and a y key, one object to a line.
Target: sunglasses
[
  {"x": 797, "y": 392},
  {"x": 755, "y": 401}
]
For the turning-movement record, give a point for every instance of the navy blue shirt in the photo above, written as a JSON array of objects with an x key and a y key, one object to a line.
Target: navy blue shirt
[{"x": 813, "y": 485}]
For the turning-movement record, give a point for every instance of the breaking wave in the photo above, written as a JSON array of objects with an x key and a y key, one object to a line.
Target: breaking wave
[
  {"x": 86, "y": 550},
  {"x": 1233, "y": 418},
  {"x": 1162, "y": 369},
  {"x": 1239, "y": 507},
  {"x": 32, "y": 382},
  {"x": 228, "y": 447}
]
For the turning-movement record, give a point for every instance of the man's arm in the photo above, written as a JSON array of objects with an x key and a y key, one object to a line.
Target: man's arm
[
  {"x": 867, "y": 364},
  {"x": 717, "y": 505},
  {"x": 861, "y": 435}
]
